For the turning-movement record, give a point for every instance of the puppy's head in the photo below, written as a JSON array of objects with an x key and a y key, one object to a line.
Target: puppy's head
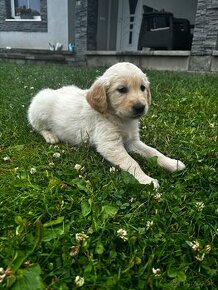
[{"x": 123, "y": 90}]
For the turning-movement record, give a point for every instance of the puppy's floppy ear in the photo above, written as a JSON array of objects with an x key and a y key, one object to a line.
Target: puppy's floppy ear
[
  {"x": 149, "y": 95},
  {"x": 97, "y": 96},
  {"x": 147, "y": 85}
]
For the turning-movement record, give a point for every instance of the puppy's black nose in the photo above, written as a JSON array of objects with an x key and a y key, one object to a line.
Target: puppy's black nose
[{"x": 138, "y": 108}]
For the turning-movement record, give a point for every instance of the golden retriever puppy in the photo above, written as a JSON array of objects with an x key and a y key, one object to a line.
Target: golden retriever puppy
[{"x": 106, "y": 115}]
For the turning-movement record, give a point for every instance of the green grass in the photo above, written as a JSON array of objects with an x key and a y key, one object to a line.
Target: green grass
[{"x": 171, "y": 238}]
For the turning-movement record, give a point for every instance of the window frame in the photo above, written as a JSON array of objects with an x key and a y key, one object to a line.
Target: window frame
[{"x": 13, "y": 10}]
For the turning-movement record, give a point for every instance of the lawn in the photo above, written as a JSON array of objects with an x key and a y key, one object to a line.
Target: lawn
[{"x": 68, "y": 220}]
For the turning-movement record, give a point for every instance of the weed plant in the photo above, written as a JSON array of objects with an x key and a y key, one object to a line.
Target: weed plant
[{"x": 68, "y": 219}]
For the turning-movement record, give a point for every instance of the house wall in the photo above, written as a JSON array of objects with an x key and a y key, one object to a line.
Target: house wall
[
  {"x": 86, "y": 15},
  {"x": 81, "y": 26},
  {"x": 204, "y": 43},
  {"x": 206, "y": 28},
  {"x": 92, "y": 21},
  {"x": 8, "y": 24},
  {"x": 36, "y": 34},
  {"x": 70, "y": 21}
]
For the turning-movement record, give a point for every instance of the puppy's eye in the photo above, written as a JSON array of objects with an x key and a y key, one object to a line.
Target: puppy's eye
[
  {"x": 122, "y": 90},
  {"x": 142, "y": 87}
]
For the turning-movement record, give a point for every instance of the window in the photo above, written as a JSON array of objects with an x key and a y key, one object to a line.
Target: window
[{"x": 27, "y": 9}]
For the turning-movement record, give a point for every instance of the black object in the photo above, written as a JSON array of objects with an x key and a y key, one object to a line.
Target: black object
[{"x": 161, "y": 30}]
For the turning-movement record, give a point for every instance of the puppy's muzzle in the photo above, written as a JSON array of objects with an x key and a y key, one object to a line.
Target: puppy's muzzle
[{"x": 138, "y": 109}]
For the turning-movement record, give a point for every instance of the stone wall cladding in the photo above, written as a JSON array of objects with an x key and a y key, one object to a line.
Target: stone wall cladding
[
  {"x": 25, "y": 26},
  {"x": 205, "y": 32},
  {"x": 7, "y": 7},
  {"x": 86, "y": 25},
  {"x": 92, "y": 23},
  {"x": 81, "y": 26},
  {"x": 3, "y": 12}
]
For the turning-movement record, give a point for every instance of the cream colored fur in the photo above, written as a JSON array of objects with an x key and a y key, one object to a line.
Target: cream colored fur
[{"x": 106, "y": 115}]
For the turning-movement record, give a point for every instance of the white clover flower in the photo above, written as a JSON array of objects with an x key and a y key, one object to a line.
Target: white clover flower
[
  {"x": 32, "y": 88},
  {"x": 51, "y": 164},
  {"x": 79, "y": 281},
  {"x": 132, "y": 199},
  {"x": 77, "y": 167},
  {"x": 211, "y": 125},
  {"x": 207, "y": 248},
  {"x": 149, "y": 224},
  {"x": 81, "y": 237},
  {"x": 33, "y": 170},
  {"x": 122, "y": 234},
  {"x": 2, "y": 277},
  {"x": 2, "y": 274},
  {"x": 200, "y": 257},
  {"x": 112, "y": 169},
  {"x": 56, "y": 155},
  {"x": 158, "y": 196},
  {"x": 6, "y": 158},
  {"x": 74, "y": 250},
  {"x": 194, "y": 245},
  {"x": 156, "y": 272},
  {"x": 199, "y": 205}
]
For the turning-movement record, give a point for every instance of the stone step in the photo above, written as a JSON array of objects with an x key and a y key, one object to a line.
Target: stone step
[{"x": 40, "y": 55}]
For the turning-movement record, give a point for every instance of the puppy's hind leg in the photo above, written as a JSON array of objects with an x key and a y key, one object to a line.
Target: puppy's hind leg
[{"x": 49, "y": 137}]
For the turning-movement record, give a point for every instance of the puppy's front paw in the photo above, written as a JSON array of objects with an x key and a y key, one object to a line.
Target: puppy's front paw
[
  {"x": 49, "y": 137},
  {"x": 151, "y": 181},
  {"x": 181, "y": 165},
  {"x": 155, "y": 183},
  {"x": 173, "y": 165}
]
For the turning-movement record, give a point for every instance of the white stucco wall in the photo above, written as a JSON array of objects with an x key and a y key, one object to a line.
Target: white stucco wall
[{"x": 57, "y": 30}]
